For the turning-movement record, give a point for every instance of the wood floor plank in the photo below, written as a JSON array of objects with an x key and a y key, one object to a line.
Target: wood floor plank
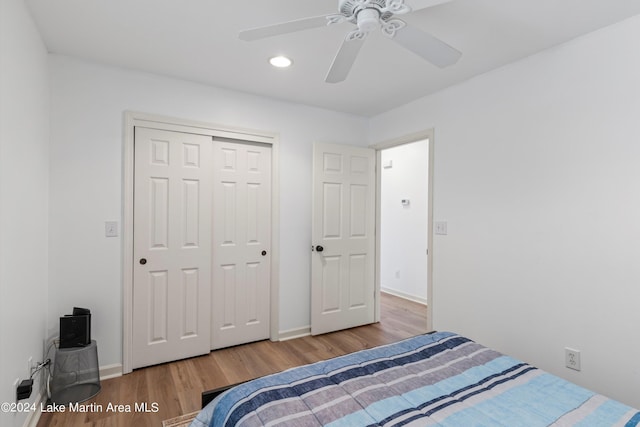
[{"x": 176, "y": 387}]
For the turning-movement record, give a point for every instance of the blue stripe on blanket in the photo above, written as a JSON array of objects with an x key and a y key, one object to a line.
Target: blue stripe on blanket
[
  {"x": 542, "y": 401},
  {"x": 469, "y": 386},
  {"x": 633, "y": 422},
  {"x": 278, "y": 393},
  {"x": 607, "y": 414},
  {"x": 241, "y": 392},
  {"x": 441, "y": 394}
]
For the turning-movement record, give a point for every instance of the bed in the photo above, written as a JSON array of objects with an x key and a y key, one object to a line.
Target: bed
[{"x": 437, "y": 379}]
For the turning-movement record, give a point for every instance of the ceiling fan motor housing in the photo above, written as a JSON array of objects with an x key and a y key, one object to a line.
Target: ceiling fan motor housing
[
  {"x": 368, "y": 20},
  {"x": 351, "y": 10}
]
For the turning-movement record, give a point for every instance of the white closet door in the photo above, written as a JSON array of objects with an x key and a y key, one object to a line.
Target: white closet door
[
  {"x": 172, "y": 246},
  {"x": 241, "y": 243}
]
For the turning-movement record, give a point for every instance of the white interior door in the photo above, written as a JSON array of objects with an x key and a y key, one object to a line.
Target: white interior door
[
  {"x": 343, "y": 258},
  {"x": 242, "y": 243},
  {"x": 172, "y": 246}
]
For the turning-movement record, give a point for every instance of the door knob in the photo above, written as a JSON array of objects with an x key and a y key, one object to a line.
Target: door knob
[
  {"x": 319, "y": 248},
  {"x": 143, "y": 261},
  {"x": 264, "y": 253}
]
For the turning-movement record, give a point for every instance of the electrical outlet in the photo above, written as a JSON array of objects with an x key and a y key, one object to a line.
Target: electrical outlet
[{"x": 572, "y": 358}]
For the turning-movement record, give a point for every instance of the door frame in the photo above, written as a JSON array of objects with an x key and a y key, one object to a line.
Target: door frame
[
  {"x": 406, "y": 139},
  {"x": 133, "y": 119}
]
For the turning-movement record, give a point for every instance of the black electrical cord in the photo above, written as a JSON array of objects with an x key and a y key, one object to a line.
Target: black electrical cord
[
  {"x": 40, "y": 366},
  {"x": 53, "y": 343}
]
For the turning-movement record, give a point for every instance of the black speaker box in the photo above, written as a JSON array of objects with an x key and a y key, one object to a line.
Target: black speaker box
[{"x": 75, "y": 329}]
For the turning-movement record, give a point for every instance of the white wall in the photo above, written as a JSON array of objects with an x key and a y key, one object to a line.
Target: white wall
[
  {"x": 403, "y": 232},
  {"x": 536, "y": 172},
  {"x": 24, "y": 127},
  {"x": 88, "y": 102}
]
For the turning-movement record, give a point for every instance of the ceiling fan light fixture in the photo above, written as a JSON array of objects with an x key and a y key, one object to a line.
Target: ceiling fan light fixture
[
  {"x": 368, "y": 20},
  {"x": 280, "y": 61}
]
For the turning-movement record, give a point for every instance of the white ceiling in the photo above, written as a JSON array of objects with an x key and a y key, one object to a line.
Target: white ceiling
[{"x": 197, "y": 40}]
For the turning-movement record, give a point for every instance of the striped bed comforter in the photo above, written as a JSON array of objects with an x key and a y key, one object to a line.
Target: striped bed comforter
[{"x": 439, "y": 379}]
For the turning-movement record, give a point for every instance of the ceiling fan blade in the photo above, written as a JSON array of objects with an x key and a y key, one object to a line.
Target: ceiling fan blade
[
  {"x": 344, "y": 60},
  {"x": 283, "y": 28},
  {"x": 423, "y": 4},
  {"x": 427, "y": 46}
]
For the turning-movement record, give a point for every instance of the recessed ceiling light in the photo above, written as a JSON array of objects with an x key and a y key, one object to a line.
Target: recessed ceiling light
[{"x": 280, "y": 61}]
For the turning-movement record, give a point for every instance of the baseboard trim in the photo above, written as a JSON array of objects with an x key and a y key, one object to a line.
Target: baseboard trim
[
  {"x": 400, "y": 294},
  {"x": 110, "y": 371},
  {"x": 295, "y": 333},
  {"x": 33, "y": 417}
]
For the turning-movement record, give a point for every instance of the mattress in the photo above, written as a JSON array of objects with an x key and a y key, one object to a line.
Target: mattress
[{"x": 438, "y": 379}]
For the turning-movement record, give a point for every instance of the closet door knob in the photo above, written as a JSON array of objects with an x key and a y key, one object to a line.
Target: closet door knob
[
  {"x": 143, "y": 261},
  {"x": 264, "y": 253},
  {"x": 319, "y": 248}
]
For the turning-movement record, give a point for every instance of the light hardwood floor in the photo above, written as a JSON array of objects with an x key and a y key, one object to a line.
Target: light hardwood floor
[{"x": 176, "y": 387}]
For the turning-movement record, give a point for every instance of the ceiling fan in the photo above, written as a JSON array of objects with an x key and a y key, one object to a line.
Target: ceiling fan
[{"x": 367, "y": 15}]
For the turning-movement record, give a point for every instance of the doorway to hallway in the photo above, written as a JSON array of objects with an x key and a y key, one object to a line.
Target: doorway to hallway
[{"x": 404, "y": 222}]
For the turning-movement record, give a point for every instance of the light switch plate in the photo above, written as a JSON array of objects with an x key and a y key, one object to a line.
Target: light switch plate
[
  {"x": 111, "y": 229},
  {"x": 441, "y": 227}
]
